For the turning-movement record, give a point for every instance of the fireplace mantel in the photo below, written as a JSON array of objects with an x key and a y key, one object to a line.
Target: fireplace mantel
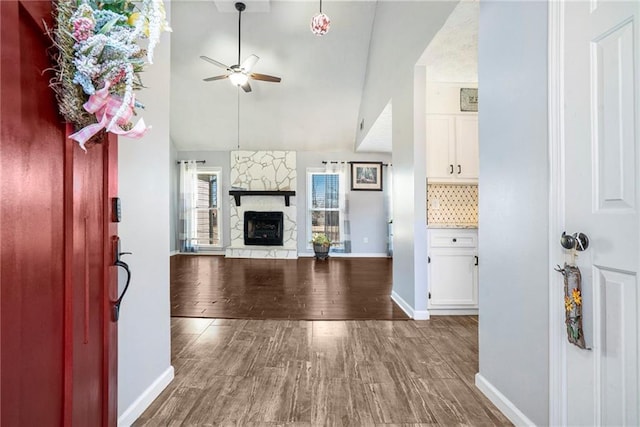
[{"x": 238, "y": 194}]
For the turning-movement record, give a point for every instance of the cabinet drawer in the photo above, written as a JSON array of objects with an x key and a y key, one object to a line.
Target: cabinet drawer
[{"x": 452, "y": 240}]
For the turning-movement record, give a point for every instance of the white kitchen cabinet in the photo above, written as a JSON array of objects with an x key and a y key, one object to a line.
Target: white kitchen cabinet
[
  {"x": 453, "y": 271},
  {"x": 440, "y": 145},
  {"x": 467, "y": 148},
  {"x": 452, "y": 148}
]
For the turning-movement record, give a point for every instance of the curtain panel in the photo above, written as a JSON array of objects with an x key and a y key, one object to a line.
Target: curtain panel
[
  {"x": 188, "y": 194},
  {"x": 341, "y": 168}
]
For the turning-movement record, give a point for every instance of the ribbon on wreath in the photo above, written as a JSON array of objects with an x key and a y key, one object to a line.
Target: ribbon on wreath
[{"x": 105, "y": 106}]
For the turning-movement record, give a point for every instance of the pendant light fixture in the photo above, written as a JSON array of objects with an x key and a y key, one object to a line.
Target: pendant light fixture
[{"x": 320, "y": 23}]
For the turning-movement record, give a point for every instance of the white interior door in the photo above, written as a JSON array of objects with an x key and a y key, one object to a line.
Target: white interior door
[{"x": 601, "y": 160}]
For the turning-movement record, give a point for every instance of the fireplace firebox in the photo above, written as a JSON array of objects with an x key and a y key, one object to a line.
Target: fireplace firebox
[{"x": 263, "y": 228}]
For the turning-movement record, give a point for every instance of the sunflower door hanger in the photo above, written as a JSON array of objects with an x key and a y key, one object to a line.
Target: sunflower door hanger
[{"x": 577, "y": 242}]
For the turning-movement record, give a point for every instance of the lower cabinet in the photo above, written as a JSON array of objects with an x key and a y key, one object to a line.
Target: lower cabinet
[{"x": 453, "y": 271}]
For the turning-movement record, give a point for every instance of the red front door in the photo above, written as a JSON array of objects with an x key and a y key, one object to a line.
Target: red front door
[{"x": 57, "y": 338}]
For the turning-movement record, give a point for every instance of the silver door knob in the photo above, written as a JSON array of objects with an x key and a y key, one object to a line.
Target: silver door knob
[{"x": 577, "y": 241}]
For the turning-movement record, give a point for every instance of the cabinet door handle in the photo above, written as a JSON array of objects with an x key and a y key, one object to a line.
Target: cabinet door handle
[
  {"x": 476, "y": 257},
  {"x": 451, "y": 171},
  {"x": 455, "y": 240},
  {"x": 459, "y": 169}
]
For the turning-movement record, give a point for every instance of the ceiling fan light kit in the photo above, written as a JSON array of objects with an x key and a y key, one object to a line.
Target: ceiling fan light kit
[
  {"x": 240, "y": 73},
  {"x": 238, "y": 78}
]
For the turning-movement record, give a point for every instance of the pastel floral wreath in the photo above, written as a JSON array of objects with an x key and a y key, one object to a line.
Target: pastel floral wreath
[{"x": 98, "y": 61}]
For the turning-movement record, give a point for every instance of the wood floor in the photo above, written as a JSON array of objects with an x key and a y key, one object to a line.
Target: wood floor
[
  {"x": 323, "y": 373},
  {"x": 333, "y": 289}
]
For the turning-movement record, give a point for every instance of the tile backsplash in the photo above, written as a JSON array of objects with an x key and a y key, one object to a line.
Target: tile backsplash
[{"x": 452, "y": 204}]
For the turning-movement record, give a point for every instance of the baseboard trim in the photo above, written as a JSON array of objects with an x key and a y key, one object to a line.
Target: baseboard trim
[
  {"x": 402, "y": 304},
  {"x": 453, "y": 311},
  {"x": 305, "y": 255},
  {"x": 346, "y": 255},
  {"x": 414, "y": 314},
  {"x": 143, "y": 401},
  {"x": 502, "y": 403},
  {"x": 359, "y": 255},
  {"x": 204, "y": 253},
  {"x": 421, "y": 315}
]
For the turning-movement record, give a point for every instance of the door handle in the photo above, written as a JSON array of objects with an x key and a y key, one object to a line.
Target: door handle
[
  {"x": 451, "y": 169},
  {"x": 118, "y": 302},
  {"x": 476, "y": 257},
  {"x": 121, "y": 264},
  {"x": 577, "y": 241},
  {"x": 459, "y": 169}
]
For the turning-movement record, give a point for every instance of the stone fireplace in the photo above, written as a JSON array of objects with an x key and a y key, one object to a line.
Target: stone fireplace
[{"x": 263, "y": 183}]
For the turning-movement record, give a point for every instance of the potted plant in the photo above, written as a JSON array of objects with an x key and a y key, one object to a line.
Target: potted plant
[{"x": 321, "y": 245}]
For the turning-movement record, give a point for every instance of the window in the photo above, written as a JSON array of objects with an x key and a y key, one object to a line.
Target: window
[
  {"x": 325, "y": 210},
  {"x": 208, "y": 211}
]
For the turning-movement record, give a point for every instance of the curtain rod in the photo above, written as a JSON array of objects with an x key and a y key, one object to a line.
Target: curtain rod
[
  {"x": 324, "y": 162},
  {"x": 197, "y": 161}
]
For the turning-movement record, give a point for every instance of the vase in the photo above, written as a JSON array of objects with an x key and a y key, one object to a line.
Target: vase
[{"x": 321, "y": 251}]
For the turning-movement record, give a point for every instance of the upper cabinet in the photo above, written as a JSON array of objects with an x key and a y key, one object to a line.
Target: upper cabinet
[
  {"x": 451, "y": 133},
  {"x": 452, "y": 148},
  {"x": 467, "y": 153}
]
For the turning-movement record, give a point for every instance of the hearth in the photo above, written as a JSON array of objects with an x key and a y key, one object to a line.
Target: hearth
[{"x": 263, "y": 228}]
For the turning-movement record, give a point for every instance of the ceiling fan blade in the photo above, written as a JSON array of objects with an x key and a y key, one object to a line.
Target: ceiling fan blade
[
  {"x": 248, "y": 63},
  {"x": 210, "y": 79},
  {"x": 214, "y": 62},
  {"x": 265, "y": 77},
  {"x": 246, "y": 87}
]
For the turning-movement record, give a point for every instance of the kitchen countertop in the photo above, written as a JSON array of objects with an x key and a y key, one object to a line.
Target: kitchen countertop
[{"x": 452, "y": 226}]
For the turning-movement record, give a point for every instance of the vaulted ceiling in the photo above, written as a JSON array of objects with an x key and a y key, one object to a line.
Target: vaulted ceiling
[{"x": 315, "y": 107}]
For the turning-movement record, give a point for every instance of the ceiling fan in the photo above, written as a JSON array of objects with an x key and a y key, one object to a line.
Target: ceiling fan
[{"x": 240, "y": 73}]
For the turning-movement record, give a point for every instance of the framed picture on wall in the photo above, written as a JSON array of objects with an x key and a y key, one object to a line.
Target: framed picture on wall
[
  {"x": 366, "y": 176},
  {"x": 468, "y": 99}
]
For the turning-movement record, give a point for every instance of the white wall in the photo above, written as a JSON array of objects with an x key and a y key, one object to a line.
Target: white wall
[
  {"x": 402, "y": 30},
  {"x": 144, "y": 350},
  {"x": 513, "y": 209},
  {"x": 444, "y": 98},
  {"x": 409, "y": 195}
]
